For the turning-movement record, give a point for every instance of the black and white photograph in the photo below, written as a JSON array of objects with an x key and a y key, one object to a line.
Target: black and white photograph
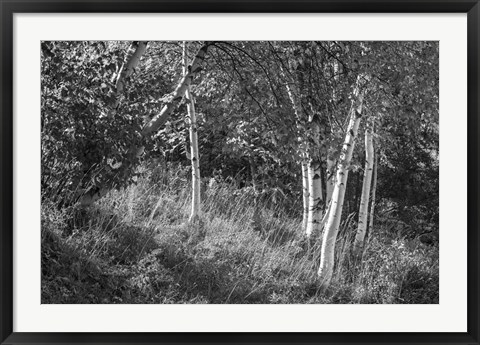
[{"x": 239, "y": 172}]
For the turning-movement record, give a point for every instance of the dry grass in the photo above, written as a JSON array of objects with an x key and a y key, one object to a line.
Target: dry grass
[{"x": 134, "y": 247}]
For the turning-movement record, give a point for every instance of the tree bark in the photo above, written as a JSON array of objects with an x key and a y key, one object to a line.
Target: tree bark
[
  {"x": 335, "y": 78},
  {"x": 364, "y": 202},
  {"x": 158, "y": 120},
  {"x": 327, "y": 254},
  {"x": 314, "y": 186},
  {"x": 194, "y": 157},
  {"x": 330, "y": 185},
  {"x": 305, "y": 195},
  {"x": 132, "y": 59},
  {"x": 330, "y": 179},
  {"x": 306, "y": 173},
  {"x": 374, "y": 192}
]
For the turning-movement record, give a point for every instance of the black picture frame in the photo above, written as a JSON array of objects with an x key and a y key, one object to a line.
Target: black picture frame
[{"x": 9, "y": 8}]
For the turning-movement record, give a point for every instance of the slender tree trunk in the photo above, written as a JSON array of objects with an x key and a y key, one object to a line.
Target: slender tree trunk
[
  {"x": 335, "y": 78},
  {"x": 315, "y": 199},
  {"x": 330, "y": 179},
  {"x": 305, "y": 195},
  {"x": 367, "y": 179},
  {"x": 374, "y": 192},
  {"x": 330, "y": 185},
  {"x": 327, "y": 254},
  {"x": 158, "y": 120},
  {"x": 306, "y": 166},
  {"x": 314, "y": 186},
  {"x": 132, "y": 59},
  {"x": 325, "y": 215},
  {"x": 194, "y": 157}
]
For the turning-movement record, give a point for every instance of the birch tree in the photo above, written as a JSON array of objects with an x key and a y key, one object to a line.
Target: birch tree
[
  {"x": 330, "y": 184},
  {"x": 330, "y": 180},
  {"x": 314, "y": 184},
  {"x": 171, "y": 101},
  {"x": 196, "y": 202},
  {"x": 327, "y": 253},
  {"x": 364, "y": 202},
  {"x": 374, "y": 193},
  {"x": 305, "y": 194},
  {"x": 310, "y": 139},
  {"x": 132, "y": 60},
  {"x": 176, "y": 96},
  {"x": 306, "y": 171}
]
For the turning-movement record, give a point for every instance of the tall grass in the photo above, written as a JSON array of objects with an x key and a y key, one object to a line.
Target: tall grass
[{"x": 134, "y": 246}]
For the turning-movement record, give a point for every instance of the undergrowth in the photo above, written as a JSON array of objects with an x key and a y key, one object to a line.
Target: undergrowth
[{"x": 134, "y": 246}]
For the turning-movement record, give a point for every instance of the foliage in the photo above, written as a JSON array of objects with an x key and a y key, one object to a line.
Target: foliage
[{"x": 85, "y": 143}]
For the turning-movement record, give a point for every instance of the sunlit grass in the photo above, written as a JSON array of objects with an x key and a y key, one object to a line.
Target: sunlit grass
[{"x": 135, "y": 246}]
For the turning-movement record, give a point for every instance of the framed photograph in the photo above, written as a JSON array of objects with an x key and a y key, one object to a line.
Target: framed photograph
[{"x": 239, "y": 172}]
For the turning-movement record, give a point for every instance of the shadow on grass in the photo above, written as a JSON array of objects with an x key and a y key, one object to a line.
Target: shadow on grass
[{"x": 86, "y": 257}]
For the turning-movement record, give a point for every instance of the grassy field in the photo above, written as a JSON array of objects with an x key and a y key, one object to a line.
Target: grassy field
[{"x": 135, "y": 246}]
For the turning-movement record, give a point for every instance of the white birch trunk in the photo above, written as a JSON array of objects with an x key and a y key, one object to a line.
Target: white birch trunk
[
  {"x": 306, "y": 188},
  {"x": 374, "y": 192},
  {"x": 330, "y": 179},
  {"x": 314, "y": 186},
  {"x": 194, "y": 157},
  {"x": 336, "y": 78},
  {"x": 330, "y": 184},
  {"x": 327, "y": 254},
  {"x": 367, "y": 180},
  {"x": 315, "y": 199},
  {"x": 158, "y": 120},
  {"x": 132, "y": 59},
  {"x": 325, "y": 215},
  {"x": 305, "y": 195}
]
